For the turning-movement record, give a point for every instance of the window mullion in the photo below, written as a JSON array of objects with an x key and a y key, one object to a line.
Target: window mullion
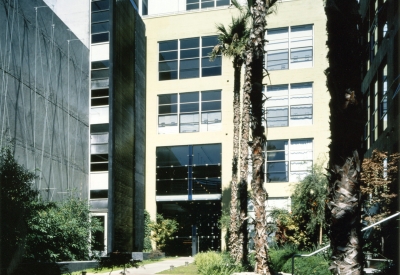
[{"x": 179, "y": 62}]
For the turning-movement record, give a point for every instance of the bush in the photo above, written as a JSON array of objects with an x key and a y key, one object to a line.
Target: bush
[
  {"x": 61, "y": 231},
  {"x": 279, "y": 256},
  {"x": 214, "y": 263},
  {"x": 17, "y": 197},
  {"x": 317, "y": 264},
  {"x": 147, "y": 233}
]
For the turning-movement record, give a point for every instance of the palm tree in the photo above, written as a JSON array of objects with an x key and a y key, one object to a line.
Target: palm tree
[
  {"x": 252, "y": 92},
  {"x": 344, "y": 85},
  {"x": 232, "y": 42}
]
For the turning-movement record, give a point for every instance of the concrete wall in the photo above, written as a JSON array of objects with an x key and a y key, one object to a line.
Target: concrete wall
[{"x": 44, "y": 97}]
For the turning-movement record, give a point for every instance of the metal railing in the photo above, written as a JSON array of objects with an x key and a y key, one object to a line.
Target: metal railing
[{"x": 326, "y": 247}]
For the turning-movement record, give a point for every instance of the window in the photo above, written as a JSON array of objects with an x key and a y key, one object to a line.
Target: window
[
  {"x": 288, "y": 160},
  {"x": 99, "y": 97},
  {"x": 100, "y": 21},
  {"x": 189, "y": 112},
  {"x": 367, "y": 128},
  {"x": 188, "y": 170},
  {"x": 100, "y": 69},
  {"x": 289, "y": 105},
  {"x": 100, "y": 236},
  {"x": 195, "y": 4},
  {"x": 99, "y": 147},
  {"x": 188, "y": 58},
  {"x": 289, "y": 48},
  {"x": 384, "y": 102},
  {"x": 374, "y": 113},
  {"x": 145, "y": 9}
]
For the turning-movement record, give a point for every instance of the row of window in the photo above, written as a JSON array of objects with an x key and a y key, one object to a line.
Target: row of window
[
  {"x": 288, "y": 48},
  {"x": 196, "y": 169},
  {"x": 204, "y": 4},
  {"x": 188, "y": 170},
  {"x": 287, "y": 105},
  {"x": 189, "y": 112},
  {"x": 188, "y": 58}
]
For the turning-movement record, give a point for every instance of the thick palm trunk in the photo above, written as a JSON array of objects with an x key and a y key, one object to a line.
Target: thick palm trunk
[
  {"x": 344, "y": 212},
  {"x": 244, "y": 164},
  {"x": 235, "y": 247},
  {"x": 254, "y": 75},
  {"x": 346, "y": 124}
]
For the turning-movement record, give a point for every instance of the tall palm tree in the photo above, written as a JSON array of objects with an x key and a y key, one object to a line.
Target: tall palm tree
[
  {"x": 232, "y": 42},
  {"x": 252, "y": 92},
  {"x": 344, "y": 85}
]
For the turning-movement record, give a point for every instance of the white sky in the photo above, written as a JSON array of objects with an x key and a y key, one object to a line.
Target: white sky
[{"x": 75, "y": 14}]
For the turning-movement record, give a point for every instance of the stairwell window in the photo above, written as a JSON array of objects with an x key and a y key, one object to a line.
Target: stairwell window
[
  {"x": 188, "y": 58},
  {"x": 289, "y": 48},
  {"x": 100, "y": 11},
  {"x": 189, "y": 112},
  {"x": 289, "y": 104},
  {"x": 288, "y": 160}
]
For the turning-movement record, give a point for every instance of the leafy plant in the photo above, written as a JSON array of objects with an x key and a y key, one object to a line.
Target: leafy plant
[
  {"x": 308, "y": 203},
  {"x": 287, "y": 229},
  {"x": 162, "y": 230},
  {"x": 61, "y": 231},
  {"x": 318, "y": 265},
  {"x": 280, "y": 255},
  {"x": 379, "y": 172},
  {"x": 147, "y": 233},
  {"x": 214, "y": 263},
  {"x": 17, "y": 197}
]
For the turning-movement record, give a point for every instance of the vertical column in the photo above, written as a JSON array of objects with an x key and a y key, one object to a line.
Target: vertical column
[{"x": 190, "y": 173}]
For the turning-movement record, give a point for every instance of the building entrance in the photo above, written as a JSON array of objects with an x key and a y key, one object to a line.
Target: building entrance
[{"x": 198, "y": 226}]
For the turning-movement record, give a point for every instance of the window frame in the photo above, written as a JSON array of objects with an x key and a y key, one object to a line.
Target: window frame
[
  {"x": 99, "y": 36},
  {"x": 289, "y": 159},
  {"x": 202, "y": 125},
  {"x": 177, "y": 71},
  {"x": 287, "y": 44},
  {"x": 198, "y": 4},
  {"x": 289, "y": 103}
]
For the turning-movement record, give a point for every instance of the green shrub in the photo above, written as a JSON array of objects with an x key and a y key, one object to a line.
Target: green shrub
[
  {"x": 317, "y": 264},
  {"x": 214, "y": 263},
  {"x": 279, "y": 256}
]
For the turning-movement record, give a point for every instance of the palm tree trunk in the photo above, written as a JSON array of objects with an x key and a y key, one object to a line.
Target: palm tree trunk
[
  {"x": 244, "y": 165},
  {"x": 254, "y": 76},
  {"x": 346, "y": 124},
  {"x": 234, "y": 245}
]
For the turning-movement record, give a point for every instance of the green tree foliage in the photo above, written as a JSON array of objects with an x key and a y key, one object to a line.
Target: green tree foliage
[
  {"x": 16, "y": 200},
  {"x": 379, "y": 173},
  {"x": 61, "y": 231},
  {"x": 303, "y": 226},
  {"x": 308, "y": 202},
  {"x": 162, "y": 230},
  {"x": 287, "y": 229},
  {"x": 147, "y": 232},
  {"x": 35, "y": 230}
]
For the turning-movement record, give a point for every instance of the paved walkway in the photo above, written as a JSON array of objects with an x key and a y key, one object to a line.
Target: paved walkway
[{"x": 152, "y": 268}]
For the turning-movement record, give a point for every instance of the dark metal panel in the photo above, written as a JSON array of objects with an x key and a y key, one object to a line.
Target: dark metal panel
[{"x": 127, "y": 124}]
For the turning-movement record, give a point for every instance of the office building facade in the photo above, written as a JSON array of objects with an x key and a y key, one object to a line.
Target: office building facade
[{"x": 189, "y": 128}]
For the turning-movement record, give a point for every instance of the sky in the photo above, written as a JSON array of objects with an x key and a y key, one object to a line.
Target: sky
[{"x": 75, "y": 14}]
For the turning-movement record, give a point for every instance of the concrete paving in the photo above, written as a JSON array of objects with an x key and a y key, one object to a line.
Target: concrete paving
[{"x": 152, "y": 268}]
